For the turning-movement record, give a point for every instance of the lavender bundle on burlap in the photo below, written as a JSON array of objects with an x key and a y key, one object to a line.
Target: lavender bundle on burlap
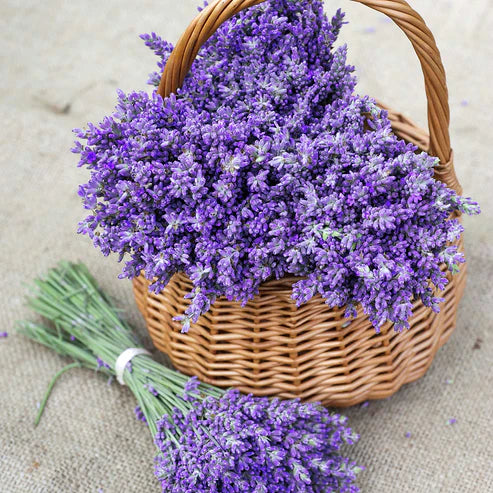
[
  {"x": 265, "y": 164},
  {"x": 209, "y": 439}
]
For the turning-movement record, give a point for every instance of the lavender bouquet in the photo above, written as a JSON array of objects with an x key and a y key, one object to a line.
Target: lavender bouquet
[
  {"x": 208, "y": 439},
  {"x": 265, "y": 164}
]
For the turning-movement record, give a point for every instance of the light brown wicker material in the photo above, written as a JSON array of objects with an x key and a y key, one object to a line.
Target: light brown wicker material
[{"x": 270, "y": 347}]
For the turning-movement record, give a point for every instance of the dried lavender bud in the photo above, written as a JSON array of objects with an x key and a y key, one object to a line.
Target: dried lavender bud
[
  {"x": 151, "y": 389},
  {"x": 140, "y": 415},
  {"x": 244, "y": 443},
  {"x": 266, "y": 164},
  {"x": 102, "y": 364}
]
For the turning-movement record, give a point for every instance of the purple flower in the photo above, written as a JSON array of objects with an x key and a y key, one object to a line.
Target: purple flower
[
  {"x": 265, "y": 165},
  {"x": 243, "y": 443},
  {"x": 102, "y": 364},
  {"x": 4, "y": 334},
  {"x": 151, "y": 389},
  {"x": 191, "y": 391},
  {"x": 140, "y": 415}
]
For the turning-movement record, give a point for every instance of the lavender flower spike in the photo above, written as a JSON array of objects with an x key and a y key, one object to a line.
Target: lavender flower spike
[
  {"x": 266, "y": 163},
  {"x": 243, "y": 443}
]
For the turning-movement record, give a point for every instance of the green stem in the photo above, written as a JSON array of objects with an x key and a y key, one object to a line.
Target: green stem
[
  {"x": 50, "y": 388},
  {"x": 71, "y": 299}
]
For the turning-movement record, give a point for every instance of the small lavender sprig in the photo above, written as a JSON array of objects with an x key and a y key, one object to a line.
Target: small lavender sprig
[{"x": 209, "y": 439}]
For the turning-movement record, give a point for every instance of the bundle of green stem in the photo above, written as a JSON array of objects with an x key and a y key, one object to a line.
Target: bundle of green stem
[
  {"x": 88, "y": 329},
  {"x": 208, "y": 439}
]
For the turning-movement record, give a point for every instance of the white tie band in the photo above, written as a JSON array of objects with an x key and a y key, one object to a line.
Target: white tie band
[{"x": 125, "y": 358}]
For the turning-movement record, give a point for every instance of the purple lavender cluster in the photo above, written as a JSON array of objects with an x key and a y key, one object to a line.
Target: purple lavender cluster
[
  {"x": 267, "y": 164},
  {"x": 243, "y": 443},
  {"x": 139, "y": 414}
]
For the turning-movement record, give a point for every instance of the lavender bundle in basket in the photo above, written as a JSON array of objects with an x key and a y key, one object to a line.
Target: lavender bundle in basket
[
  {"x": 266, "y": 164},
  {"x": 208, "y": 439}
]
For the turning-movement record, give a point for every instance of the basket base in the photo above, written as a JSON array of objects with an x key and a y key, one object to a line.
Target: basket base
[{"x": 271, "y": 348}]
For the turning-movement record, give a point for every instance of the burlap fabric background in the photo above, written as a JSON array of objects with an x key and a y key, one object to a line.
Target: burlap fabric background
[{"x": 61, "y": 63}]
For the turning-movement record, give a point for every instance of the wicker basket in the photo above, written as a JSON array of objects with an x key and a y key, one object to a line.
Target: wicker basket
[{"x": 270, "y": 347}]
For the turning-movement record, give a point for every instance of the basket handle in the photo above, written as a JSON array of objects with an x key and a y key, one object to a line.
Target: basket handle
[{"x": 209, "y": 19}]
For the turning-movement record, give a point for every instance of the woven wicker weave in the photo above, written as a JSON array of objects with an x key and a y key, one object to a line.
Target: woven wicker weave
[{"x": 270, "y": 347}]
